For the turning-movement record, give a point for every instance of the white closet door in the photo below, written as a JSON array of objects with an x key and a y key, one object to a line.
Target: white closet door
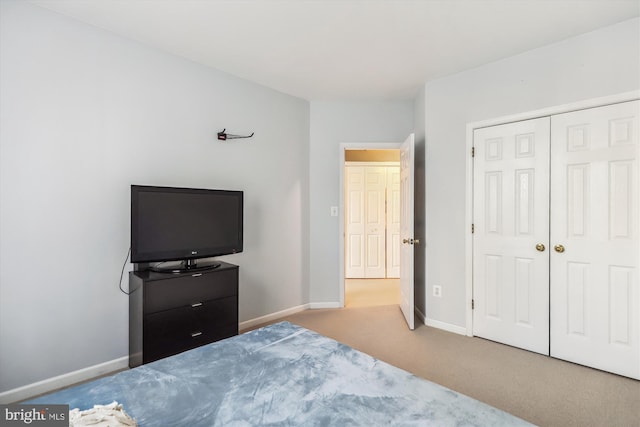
[
  {"x": 594, "y": 230},
  {"x": 393, "y": 222},
  {"x": 355, "y": 225},
  {"x": 510, "y": 240},
  {"x": 365, "y": 222},
  {"x": 375, "y": 223}
]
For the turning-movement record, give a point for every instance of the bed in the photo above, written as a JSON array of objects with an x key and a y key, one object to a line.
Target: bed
[{"x": 279, "y": 375}]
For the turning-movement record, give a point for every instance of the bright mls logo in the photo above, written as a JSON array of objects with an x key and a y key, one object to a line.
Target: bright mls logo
[{"x": 34, "y": 415}]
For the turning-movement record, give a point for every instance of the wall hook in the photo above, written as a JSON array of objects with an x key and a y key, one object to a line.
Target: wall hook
[{"x": 223, "y": 136}]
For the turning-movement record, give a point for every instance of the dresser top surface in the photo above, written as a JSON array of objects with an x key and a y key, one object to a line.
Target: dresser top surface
[{"x": 153, "y": 275}]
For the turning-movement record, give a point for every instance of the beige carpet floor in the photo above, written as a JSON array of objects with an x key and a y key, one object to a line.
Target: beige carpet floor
[
  {"x": 371, "y": 292},
  {"x": 537, "y": 388}
]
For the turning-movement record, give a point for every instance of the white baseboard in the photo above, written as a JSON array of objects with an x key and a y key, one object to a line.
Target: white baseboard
[
  {"x": 273, "y": 316},
  {"x": 446, "y": 326},
  {"x": 289, "y": 311},
  {"x": 317, "y": 305},
  {"x": 50, "y": 384},
  {"x": 420, "y": 315}
]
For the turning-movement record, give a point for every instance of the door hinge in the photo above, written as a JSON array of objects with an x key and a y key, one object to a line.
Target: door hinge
[
  {"x": 473, "y": 228},
  {"x": 473, "y": 304},
  {"x": 473, "y": 151}
]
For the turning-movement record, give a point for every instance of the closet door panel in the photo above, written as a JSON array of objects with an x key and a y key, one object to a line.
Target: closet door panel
[
  {"x": 375, "y": 222},
  {"x": 510, "y": 245},
  {"x": 355, "y": 222},
  {"x": 372, "y": 217},
  {"x": 594, "y": 227}
]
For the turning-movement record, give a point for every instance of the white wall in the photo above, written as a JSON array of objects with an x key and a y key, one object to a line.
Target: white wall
[
  {"x": 84, "y": 114},
  {"x": 599, "y": 63},
  {"x": 333, "y": 123}
]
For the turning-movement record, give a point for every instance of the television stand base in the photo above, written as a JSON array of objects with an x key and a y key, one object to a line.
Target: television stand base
[{"x": 186, "y": 266}]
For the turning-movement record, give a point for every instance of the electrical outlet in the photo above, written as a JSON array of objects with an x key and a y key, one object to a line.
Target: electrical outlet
[
  {"x": 437, "y": 291},
  {"x": 334, "y": 211}
]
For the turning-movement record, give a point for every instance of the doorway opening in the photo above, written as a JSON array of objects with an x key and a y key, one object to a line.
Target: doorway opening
[{"x": 370, "y": 243}]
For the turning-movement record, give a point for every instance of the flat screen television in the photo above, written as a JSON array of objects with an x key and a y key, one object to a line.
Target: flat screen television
[{"x": 184, "y": 224}]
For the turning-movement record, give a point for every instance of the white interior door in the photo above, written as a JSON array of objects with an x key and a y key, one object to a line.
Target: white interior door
[
  {"x": 406, "y": 230},
  {"x": 354, "y": 222},
  {"x": 365, "y": 223},
  {"x": 393, "y": 222},
  {"x": 511, "y": 234},
  {"x": 595, "y": 222},
  {"x": 375, "y": 222}
]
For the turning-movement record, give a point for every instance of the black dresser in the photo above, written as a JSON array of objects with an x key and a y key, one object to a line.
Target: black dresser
[{"x": 173, "y": 312}]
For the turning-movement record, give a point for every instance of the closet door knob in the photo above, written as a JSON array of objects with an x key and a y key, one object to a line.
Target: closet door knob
[
  {"x": 559, "y": 248},
  {"x": 540, "y": 247}
]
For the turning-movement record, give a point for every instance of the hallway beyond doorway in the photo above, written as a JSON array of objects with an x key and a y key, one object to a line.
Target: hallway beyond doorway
[{"x": 371, "y": 292}]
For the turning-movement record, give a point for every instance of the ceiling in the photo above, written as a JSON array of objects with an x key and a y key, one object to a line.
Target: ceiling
[{"x": 348, "y": 49}]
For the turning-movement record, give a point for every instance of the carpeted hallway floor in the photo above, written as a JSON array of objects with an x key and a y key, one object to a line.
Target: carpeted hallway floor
[{"x": 371, "y": 292}]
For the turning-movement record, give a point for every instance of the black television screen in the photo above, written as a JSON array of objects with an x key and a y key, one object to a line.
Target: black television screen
[{"x": 169, "y": 223}]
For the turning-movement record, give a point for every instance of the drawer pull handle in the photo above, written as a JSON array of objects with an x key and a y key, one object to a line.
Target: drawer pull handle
[
  {"x": 196, "y": 304},
  {"x": 195, "y": 334},
  {"x": 196, "y": 275}
]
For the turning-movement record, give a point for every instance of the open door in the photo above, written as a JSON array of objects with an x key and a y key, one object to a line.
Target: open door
[{"x": 406, "y": 230}]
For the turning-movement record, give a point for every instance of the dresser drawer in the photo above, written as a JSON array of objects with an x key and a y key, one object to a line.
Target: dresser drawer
[
  {"x": 184, "y": 328},
  {"x": 160, "y": 295},
  {"x": 161, "y": 349}
]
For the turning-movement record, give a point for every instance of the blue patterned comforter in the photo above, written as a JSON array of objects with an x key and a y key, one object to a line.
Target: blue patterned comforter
[{"x": 279, "y": 375}]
